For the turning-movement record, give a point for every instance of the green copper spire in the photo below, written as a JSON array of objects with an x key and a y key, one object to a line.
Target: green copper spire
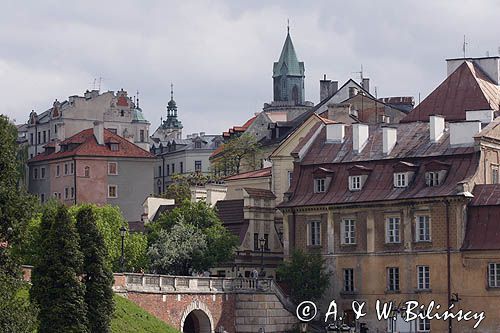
[{"x": 288, "y": 64}]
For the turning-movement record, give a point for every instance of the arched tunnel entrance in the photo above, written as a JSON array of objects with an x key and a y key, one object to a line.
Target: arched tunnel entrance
[{"x": 197, "y": 321}]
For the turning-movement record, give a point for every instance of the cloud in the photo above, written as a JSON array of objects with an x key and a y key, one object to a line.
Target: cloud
[{"x": 219, "y": 54}]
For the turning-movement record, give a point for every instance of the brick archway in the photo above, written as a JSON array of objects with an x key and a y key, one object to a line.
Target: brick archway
[{"x": 201, "y": 312}]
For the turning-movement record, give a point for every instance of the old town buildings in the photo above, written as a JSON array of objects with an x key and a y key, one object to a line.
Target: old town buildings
[{"x": 400, "y": 211}]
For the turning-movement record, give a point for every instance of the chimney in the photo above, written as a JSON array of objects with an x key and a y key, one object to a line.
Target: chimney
[
  {"x": 359, "y": 137},
  {"x": 334, "y": 87},
  {"x": 353, "y": 91},
  {"x": 436, "y": 127},
  {"x": 462, "y": 133},
  {"x": 335, "y": 133},
  {"x": 99, "y": 132},
  {"x": 389, "y": 139},
  {"x": 484, "y": 116},
  {"x": 324, "y": 88},
  {"x": 366, "y": 84}
]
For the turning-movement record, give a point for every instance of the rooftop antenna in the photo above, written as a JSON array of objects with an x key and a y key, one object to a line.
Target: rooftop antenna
[
  {"x": 288, "y": 25},
  {"x": 360, "y": 73},
  {"x": 137, "y": 99},
  {"x": 464, "y": 47}
]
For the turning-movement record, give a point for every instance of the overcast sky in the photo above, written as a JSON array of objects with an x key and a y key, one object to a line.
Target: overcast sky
[{"x": 219, "y": 54}]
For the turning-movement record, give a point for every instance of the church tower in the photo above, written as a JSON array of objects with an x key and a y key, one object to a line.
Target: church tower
[
  {"x": 288, "y": 75},
  {"x": 172, "y": 127}
]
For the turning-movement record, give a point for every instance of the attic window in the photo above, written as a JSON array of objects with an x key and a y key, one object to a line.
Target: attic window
[
  {"x": 114, "y": 146},
  {"x": 319, "y": 185},
  {"x": 400, "y": 179},
  {"x": 355, "y": 183},
  {"x": 197, "y": 145},
  {"x": 433, "y": 178}
]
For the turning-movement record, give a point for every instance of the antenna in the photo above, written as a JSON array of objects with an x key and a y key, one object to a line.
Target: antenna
[
  {"x": 100, "y": 82},
  {"x": 288, "y": 25},
  {"x": 487, "y": 53},
  {"x": 137, "y": 99},
  {"x": 464, "y": 47},
  {"x": 360, "y": 73}
]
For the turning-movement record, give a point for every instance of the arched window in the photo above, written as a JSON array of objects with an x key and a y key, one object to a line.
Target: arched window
[
  {"x": 87, "y": 171},
  {"x": 295, "y": 94}
]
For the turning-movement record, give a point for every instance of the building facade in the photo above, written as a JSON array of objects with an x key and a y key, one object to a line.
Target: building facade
[
  {"x": 399, "y": 212},
  {"x": 94, "y": 166},
  {"x": 117, "y": 111}
]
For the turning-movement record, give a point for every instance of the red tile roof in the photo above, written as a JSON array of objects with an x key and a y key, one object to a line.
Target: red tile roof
[
  {"x": 265, "y": 172},
  {"x": 467, "y": 88},
  {"x": 88, "y": 146},
  {"x": 483, "y": 225}
]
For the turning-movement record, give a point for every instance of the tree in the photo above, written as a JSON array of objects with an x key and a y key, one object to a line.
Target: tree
[
  {"x": 97, "y": 276},
  {"x": 179, "y": 189},
  {"x": 244, "y": 148},
  {"x": 305, "y": 275},
  {"x": 109, "y": 220},
  {"x": 16, "y": 208},
  {"x": 178, "y": 250},
  {"x": 57, "y": 288},
  {"x": 198, "y": 216}
]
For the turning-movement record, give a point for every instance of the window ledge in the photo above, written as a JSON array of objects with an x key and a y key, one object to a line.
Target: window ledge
[
  {"x": 393, "y": 291},
  {"x": 348, "y": 294},
  {"x": 423, "y": 291}
]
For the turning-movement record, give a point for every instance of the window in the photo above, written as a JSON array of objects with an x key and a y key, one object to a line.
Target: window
[
  {"x": 55, "y": 195},
  {"x": 349, "y": 280},
  {"x": 354, "y": 183},
  {"x": 432, "y": 178},
  {"x": 112, "y": 191},
  {"x": 173, "y": 168},
  {"x": 256, "y": 241},
  {"x": 66, "y": 193},
  {"x": 42, "y": 173},
  {"x": 42, "y": 197},
  {"x": 290, "y": 178},
  {"x": 393, "y": 279},
  {"x": 44, "y": 136},
  {"x": 35, "y": 173},
  {"x": 55, "y": 129},
  {"x": 112, "y": 168},
  {"x": 315, "y": 233},
  {"x": 494, "y": 275},
  {"x": 424, "y": 325},
  {"x": 182, "y": 166},
  {"x": 72, "y": 192},
  {"x": 197, "y": 145},
  {"x": 348, "y": 231},
  {"x": 159, "y": 171},
  {"x": 168, "y": 170},
  {"x": 494, "y": 175},
  {"x": 86, "y": 172},
  {"x": 72, "y": 167},
  {"x": 39, "y": 138},
  {"x": 48, "y": 134},
  {"x": 319, "y": 185},
  {"x": 58, "y": 170},
  {"x": 423, "y": 228},
  {"x": 141, "y": 135},
  {"x": 400, "y": 179},
  {"x": 114, "y": 146},
  {"x": 266, "y": 241},
  {"x": 197, "y": 166},
  {"x": 31, "y": 138},
  {"x": 392, "y": 230},
  {"x": 113, "y": 130},
  {"x": 66, "y": 169},
  {"x": 423, "y": 278}
]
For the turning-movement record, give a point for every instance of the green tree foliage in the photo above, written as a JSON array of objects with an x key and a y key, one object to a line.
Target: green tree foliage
[
  {"x": 16, "y": 208},
  {"x": 178, "y": 250},
  {"x": 305, "y": 275},
  {"x": 97, "y": 275},
  {"x": 179, "y": 189},
  {"x": 109, "y": 220},
  {"x": 199, "y": 219},
  {"x": 244, "y": 148},
  {"x": 57, "y": 289}
]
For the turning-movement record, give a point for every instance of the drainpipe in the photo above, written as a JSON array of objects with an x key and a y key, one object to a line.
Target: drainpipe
[
  {"x": 448, "y": 259},
  {"x": 74, "y": 178}
]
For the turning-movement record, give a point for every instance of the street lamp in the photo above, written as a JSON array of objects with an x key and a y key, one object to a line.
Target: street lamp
[
  {"x": 123, "y": 232},
  {"x": 262, "y": 243}
]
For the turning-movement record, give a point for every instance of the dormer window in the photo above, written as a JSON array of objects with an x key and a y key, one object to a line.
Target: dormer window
[
  {"x": 197, "y": 145},
  {"x": 432, "y": 178},
  {"x": 114, "y": 146},
  {"x": 319, "y": 185},
  {"x": 354, "y": 183},
  {"x": 400, "y": 179}
]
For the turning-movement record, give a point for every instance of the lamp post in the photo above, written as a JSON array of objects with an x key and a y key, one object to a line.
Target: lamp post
[
  {"x": 123, "y": 232},
  {"x": 262, "y": 243}
]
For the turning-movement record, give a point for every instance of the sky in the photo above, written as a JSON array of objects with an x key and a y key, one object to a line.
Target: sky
[{"x": 219, "y": 54}]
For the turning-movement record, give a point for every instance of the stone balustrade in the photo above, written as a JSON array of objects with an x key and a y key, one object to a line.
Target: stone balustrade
[{"x": 189, "y": 284}]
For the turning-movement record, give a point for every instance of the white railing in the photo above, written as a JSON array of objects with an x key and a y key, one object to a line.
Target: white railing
[{"x": 165, "y": 283}]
